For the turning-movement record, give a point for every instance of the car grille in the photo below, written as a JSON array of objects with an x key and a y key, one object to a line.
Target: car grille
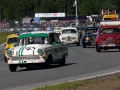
[
  {"x": 111, "y": 40},
  {"x": 69, "y": 38},
  {"x": 93, "y": 38},
  {"x": 25, "y": 57}
]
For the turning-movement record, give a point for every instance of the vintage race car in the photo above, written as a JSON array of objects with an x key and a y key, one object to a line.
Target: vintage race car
[
  {"x": 57, "y": 30},
  {"x": 35, "y": 49},
  {"x": 11, "y": 40},
  {"x": 70, "y": 35},
  {"x": 89, "y": 36},
  {"x": 108, "y": 38}
]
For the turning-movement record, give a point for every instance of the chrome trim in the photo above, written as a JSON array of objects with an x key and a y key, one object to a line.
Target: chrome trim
[{"x": 27, "y": 57}]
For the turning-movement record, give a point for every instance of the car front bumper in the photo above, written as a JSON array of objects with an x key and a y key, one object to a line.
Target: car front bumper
[
  {"x": 89, "y": 43},
  {"x": 70, "y": 42},
  {"x": 25, "y": 61},
  {"x": 110, "y": 46}
]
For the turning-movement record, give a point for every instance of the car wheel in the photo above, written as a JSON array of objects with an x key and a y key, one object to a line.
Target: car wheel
[
  {"x": 48, "y": 62},
  {"x": 78, "y": 44},
  {"x": 119, "y": 49},
  {"x": 5, "y": 59},
  {"x": 84, "y": 46},
  {"x": 62, "y": 62},
  {"x": 98, "y": 49},
  {"x": 12, "y": 67}
]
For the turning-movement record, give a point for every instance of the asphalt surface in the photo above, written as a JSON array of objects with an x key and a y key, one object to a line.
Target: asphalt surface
[{"x": 81, "y": 63}]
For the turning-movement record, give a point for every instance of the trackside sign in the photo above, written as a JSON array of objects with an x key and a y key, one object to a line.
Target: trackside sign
[{"x": 49, "y": 14}]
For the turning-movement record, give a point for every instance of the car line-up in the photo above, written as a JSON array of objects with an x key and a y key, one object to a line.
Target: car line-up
[{"x": 38, "y": 48}]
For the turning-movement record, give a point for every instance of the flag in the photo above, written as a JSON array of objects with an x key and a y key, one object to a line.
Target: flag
[{"x": 74, "y": 4}]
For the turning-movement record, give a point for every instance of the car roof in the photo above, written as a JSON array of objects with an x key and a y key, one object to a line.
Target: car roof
[
  {"x": 90, "y": 27},
  {"x": 110, "y": 26},
  {"x": 69, "y": 28},
  {"x": 12, "y": 36},
  {"x": 33, "y": 32}
]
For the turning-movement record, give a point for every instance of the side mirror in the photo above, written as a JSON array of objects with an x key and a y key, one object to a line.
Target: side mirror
[
  {"x": 14, "y": 44},
  {"x": 54, "y": 43}
]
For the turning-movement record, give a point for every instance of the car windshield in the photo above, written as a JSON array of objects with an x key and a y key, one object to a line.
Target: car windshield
[
  {"x": 12, "y": 40},
  {"x": 91, "y": 30},
  {"x": 69, "y": 31},
  {"x": 110, "y": 30},
  {"x": 33, "y": 40}
]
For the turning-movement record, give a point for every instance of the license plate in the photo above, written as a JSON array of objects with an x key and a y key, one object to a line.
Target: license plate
[{"x": 111, "y": 44}]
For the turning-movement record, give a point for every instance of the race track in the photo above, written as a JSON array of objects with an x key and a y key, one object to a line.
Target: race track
[{"x": 81, "y": 63}]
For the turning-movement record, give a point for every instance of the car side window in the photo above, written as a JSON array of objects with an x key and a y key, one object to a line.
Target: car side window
[
  {"x": 57, "y": 40},
  {"x": 51, "y": 38}
]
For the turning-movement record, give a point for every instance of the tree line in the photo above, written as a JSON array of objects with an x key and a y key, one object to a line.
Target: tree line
[{"x": 18, "y": 9}]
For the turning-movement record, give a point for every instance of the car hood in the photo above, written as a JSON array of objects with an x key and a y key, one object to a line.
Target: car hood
[
  {"x": 29, "y": 49},
  {"x": 110, "y": 35},
  {"x": 93, "y": 34}
]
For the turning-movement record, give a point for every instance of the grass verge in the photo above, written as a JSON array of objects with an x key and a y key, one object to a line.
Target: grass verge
[
  {"x": 3, "y": 36},
  {"x": 110, "y": 82}
]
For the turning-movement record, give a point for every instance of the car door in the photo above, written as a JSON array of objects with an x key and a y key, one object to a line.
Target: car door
[
  {"x": 58, "y": 45},
  {"x": 55, "y": 42}
]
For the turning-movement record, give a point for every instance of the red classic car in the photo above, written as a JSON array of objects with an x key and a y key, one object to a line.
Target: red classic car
[{"x": 108, "y": 37}]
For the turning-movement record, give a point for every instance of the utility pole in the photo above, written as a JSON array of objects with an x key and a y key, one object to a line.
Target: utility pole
[{"x": 77, "y": 21}]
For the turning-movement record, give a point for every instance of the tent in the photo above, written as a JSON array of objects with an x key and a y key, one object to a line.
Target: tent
[{"x": 36, "y": 19}]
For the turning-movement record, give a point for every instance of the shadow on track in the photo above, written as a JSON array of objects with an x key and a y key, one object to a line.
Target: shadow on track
[{"x": 42, "y": 68}]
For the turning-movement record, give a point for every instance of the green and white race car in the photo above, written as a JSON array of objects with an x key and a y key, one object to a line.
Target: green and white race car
[{"x": 37, "y": 48}]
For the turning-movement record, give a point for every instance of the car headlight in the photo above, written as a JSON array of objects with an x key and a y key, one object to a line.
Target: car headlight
[
  {"x": 40, "y": 51},
  {"x": 87, "y": 38},
  {"x": 9, "y": 53}
]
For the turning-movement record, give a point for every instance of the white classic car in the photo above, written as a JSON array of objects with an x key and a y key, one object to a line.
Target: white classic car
[
  {"x": 70, "y": 35},
  {"x": 37, "y": 48}
]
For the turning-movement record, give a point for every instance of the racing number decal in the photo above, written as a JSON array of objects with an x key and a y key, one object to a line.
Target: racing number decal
[
  {"x": 21, "y": 61},
  {"x": 30, "y": 48}
]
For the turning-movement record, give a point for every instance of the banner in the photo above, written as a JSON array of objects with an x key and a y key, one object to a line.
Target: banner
[{"x": 49, "y": 14}]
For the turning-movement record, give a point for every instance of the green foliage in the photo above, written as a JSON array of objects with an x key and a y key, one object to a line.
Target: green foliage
[
  {"x": 3, "y": 36},
  {"x": 17, "y": 9}
]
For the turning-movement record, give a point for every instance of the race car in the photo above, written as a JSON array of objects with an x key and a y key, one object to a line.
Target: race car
[
  {"x": 89, "y": 36},
  {"x": 10, "y": 41},
  {"x": 70, "y": 35},
  {"x": 58, "y": 30},
  {"x": 108, "y": 36},
  {"x": 37, "y": 48}
]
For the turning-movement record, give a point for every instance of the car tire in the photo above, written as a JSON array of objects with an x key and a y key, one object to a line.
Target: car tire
[
  {"x": 12, "y": 67},
  {"x": 119, "y": 49},
  {"x": 63, "y": 61},
  {"x": 84, "y": 45},
  {"x": 48, "y": 62},
  {"x": 98, "y": 49},
  {"x": 78, "y": 44},
  {"x": 5, "y": 59}
]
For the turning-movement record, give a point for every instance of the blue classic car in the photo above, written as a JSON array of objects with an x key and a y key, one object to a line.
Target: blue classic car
[{"x": 89, "y": 36}]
